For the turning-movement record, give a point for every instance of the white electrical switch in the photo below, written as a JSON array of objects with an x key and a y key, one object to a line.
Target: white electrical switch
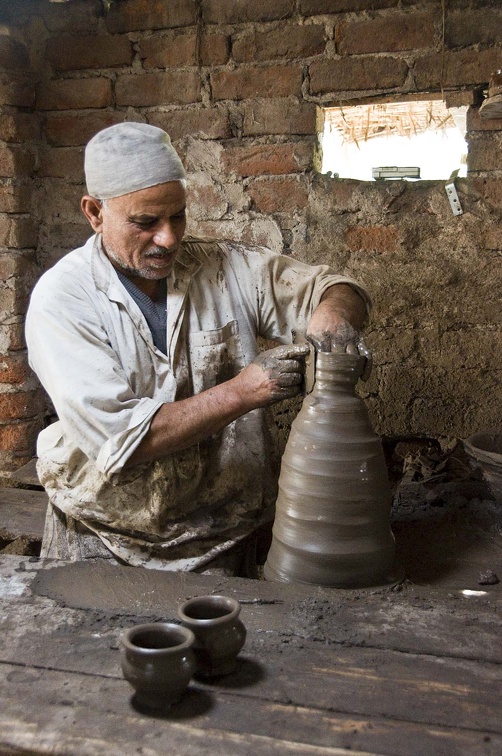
[{"x": 451, "y": 191}]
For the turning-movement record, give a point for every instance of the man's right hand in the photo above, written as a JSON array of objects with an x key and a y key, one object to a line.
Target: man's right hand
[{"x": 275, "y": 374}]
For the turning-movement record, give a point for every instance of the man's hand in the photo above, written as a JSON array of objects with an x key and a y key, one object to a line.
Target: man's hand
[
  {"x": 275, "y": 374},
  {"x": 336, "y": 322}
]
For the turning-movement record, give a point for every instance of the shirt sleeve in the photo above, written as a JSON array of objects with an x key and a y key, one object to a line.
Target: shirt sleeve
[
  {"x": 69, "y": 350},
  {"x": 290, "y": 291}
]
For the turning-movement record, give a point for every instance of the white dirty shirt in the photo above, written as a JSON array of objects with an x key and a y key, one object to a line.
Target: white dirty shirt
[{"x": 91, "y": 347}]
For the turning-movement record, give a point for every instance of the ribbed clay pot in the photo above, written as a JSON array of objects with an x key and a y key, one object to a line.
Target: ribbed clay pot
[
  {"x": 332, "y": 522},
  {"x": 219, "y": 633},
  {"x": 158, "y": 661}
]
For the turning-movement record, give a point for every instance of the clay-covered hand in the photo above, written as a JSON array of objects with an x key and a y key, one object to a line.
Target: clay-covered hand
[
  {"x": 344, "y": 338},
  {"x": 276, "y": 374}
]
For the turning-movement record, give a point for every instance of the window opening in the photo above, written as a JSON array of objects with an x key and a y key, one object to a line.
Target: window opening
[{"x": 412, "y": 140}]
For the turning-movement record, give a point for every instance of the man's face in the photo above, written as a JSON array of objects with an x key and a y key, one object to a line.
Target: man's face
[{"x": 142, "y": 231}]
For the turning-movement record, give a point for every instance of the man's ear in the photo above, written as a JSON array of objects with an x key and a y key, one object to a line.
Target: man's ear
[{"x": 92, "y": 208}]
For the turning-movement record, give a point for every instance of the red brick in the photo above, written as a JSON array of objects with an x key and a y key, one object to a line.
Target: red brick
[
  {"x": 239, "y": 11},
  {"x": 64, "y": 162},
  {"x": 466, "y": 67},
  {"x": 174, "y": 49},
  {"x": 354, "y": 74},
  {"x": 402, "y": 31},
  {"x": 205, "y": 200},
  {"x": 269, "y": 159},
  {"x": 286, "y": 42},
  {"x": 214, "y": 49},
  {"x": 280, "y": 116},
  {"x": 11, "y": 303},
  {"x": 75, "y": 94},
  {"x": 158, "y": 88},
  {"x": 476, "y": 123},
  {"x": 487, "y": 189},
  {"x": 460, "y": 99},
  {"x": 19, "y": 405},
  {"x": 244, "y": 83},
  {"x": 283, "y": 195},
  {"x": 12, "y": 53},
  {"x": 343, "y": 195},
  {"x": 492, "y": 238},
  {"x": 15, "y": 199},
  {"x": 205, "y": 123},
  {"x": 11, "y": 461},
  {"x": 12, "y": 336},
  {"x": 15, "y": 265},
  {"x": 14, "y": 369},
  {"x": 72, "y": 129},
  {"x": 382, "y": 239},
  {"x": 83, "y": 15},
  {"x": 483, "y": 152},
  {"x": 325, "y": 7},
  {"x": 177, "y": 49},
  {"x": 16, "y": 162},
  {"x": 67, "y": 236},
  {"x": 18, "y": 437},
  {"x": 473, "y": 27},
  {"x": 135, "y": 15},
  {"x": 16, "y": 90},
  {"x": 17, "y": 233},
  {"x": 19, "y": 127},
  {"x": 80, "y": 52}
]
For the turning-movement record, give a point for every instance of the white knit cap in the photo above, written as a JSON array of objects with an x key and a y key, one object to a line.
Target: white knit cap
[{"x": 128, "y": 157}]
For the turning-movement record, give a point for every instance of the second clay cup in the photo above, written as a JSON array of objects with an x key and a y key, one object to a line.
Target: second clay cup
[{"x": 219, "y": 633}]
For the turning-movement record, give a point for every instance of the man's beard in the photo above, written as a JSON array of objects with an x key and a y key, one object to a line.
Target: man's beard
[{"x": 148, "y": 273}]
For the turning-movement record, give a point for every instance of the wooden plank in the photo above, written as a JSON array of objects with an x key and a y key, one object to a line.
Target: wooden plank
[
  {"x": 446, "y": 692},
  {"x": 57, "y": 713},
  {"x": 22, "y": 513}
]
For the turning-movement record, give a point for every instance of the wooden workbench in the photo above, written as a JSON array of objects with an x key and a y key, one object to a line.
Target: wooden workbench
[{"x": 404, "y": 670}]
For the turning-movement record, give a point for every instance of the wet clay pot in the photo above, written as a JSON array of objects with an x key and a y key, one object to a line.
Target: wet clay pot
[
  {"x": 158, "y": 661},
  {"x": 332, "y": 523},
  {"x": 219, "y": 633}
]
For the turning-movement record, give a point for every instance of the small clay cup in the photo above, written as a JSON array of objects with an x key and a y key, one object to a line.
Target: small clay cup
[
  {"x": 219, "y": 633},
  {"x": 158, "y": 661}
]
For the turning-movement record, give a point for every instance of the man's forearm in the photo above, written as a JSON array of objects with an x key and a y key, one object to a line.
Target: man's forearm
[
  {"x": 178, "y": 425},
  {"x": 340, "y": 305},
  {"x": 272, "y": 376},
  {"x": 344, "y": 300}
]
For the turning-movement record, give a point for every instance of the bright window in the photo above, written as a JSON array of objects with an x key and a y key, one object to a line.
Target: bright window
[{"x": 411, "y": 140}]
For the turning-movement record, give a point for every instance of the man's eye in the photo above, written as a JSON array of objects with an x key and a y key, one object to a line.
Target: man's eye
[{"x": 145, "y": 223}]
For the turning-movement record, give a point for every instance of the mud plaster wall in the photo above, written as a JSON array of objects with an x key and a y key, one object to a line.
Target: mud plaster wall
[{"x": 238, "y": 85}]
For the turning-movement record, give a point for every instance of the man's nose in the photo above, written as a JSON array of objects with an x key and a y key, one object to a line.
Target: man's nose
[{"x": 165, "y": 236}]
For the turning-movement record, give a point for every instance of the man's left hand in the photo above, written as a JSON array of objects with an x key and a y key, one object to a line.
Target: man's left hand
[{"x": 336, "y": 323}]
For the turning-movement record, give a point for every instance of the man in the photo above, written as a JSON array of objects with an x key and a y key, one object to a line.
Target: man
[{"x": 146, "y": 343}]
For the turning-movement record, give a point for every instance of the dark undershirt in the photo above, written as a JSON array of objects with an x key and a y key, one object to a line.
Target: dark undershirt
[{"x": 154, "y": 312}]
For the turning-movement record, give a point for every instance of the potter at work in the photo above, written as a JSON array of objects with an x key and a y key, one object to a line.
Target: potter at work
[{"x": 146, "y": 343}]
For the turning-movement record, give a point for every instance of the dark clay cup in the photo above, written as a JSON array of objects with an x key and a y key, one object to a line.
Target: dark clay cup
[
  {"x": 219, "y": 633},
  {"x": 158, "y": 661}
]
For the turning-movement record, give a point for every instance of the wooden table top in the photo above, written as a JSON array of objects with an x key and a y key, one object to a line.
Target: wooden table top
[{"x": 404, "y": 670}]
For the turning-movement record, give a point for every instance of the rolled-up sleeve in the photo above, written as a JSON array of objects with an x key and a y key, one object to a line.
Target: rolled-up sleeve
[
  {"x": 291, "y": 290},
  {"x": 70, "y": 352}
]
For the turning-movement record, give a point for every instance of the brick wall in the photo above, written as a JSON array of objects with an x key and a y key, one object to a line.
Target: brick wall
[
  {"x": 238, "y": 86},
  {"x": 21, "y": 400}
]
